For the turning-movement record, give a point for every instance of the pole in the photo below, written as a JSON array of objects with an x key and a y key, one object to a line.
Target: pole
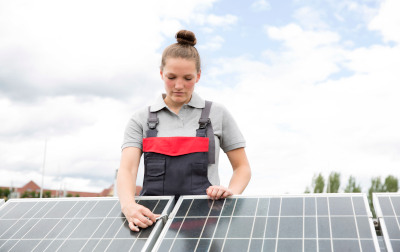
[{"x": 44, "y": 162}]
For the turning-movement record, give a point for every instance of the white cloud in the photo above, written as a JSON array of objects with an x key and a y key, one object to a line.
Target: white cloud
[
  {"x": 216, "y": 21},
  {"x": 213, "y": 44},
  {"x": 260, "y": 5},
  {"x": 388, "y": 21},
  {"x": 310, "y": 18},
  {"x": 298, "y": 121}
]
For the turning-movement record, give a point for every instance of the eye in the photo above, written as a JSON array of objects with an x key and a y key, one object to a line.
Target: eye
[
  {"x": 170, "y": 78},
  {"x": 188, "y": 79}
]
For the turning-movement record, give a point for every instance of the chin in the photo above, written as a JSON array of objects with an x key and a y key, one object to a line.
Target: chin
[{"x": 180, "y": 99}]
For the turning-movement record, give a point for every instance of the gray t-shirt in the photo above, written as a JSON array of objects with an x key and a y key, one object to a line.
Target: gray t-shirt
[{"x": 226, "y": 132}]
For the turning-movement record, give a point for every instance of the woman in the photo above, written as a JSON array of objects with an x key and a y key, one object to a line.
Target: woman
[{"x": 180, "y": 136}]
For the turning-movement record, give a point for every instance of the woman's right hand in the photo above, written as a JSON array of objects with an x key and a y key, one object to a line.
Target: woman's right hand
[{"x": 138, "y": 216}]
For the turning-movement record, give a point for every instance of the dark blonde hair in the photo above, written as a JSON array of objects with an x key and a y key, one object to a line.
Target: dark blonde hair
[{"x": 184, "y": 48}]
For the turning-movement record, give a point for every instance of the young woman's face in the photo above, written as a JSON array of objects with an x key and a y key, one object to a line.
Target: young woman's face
[{"x": 179, "y": 76}]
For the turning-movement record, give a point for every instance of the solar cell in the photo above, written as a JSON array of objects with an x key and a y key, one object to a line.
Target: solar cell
[
  {"x": 310, "y": 222},
  {"x": 387, "y": 208},
  {"x": 76, "y": 224}
]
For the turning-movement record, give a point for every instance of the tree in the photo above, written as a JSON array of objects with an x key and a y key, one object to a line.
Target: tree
[
  {"x": 376, "y": 186},
  {"x": 1, "y": 193},
  {"x": 333, "y": 182},
  {"x": 77, "y": 195},
  {"x": 47, "y": 194},
  {"x": 69, "y": 195},
  {"x": 318, "y": 183},
  {"x": 351, "y": 186},
  {"x": 391, "y": 184},
  {"x": 6, "y": 192}
]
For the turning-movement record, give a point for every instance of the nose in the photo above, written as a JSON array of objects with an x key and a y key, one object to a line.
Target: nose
[{"x": 179, "y": 84}]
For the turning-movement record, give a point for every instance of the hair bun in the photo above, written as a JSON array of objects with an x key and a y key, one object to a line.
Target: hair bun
[{"x": 185, "y": 37}]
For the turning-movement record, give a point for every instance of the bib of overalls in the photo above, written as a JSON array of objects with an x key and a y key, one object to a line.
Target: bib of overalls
[{"x": 178, "y": 165}]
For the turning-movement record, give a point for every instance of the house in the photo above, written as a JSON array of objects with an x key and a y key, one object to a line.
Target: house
[{"x": 32, "y": 190}]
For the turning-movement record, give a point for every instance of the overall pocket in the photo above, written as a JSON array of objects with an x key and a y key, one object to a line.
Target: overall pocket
[
  {"x": 154, "y": 177},
  {"x": 200, "y": 181}
]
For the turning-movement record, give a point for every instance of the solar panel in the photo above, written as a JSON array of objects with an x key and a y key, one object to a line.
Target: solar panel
[
  {"x": 76, "y": 224},
  {"x": 387, "y": 208},
  {"x": 310, "y": 222}
]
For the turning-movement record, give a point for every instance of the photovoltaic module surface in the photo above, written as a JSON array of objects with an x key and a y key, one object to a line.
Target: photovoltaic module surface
[
  {"x": 311, "y": 222},
  {"x": 387, "y": 208},
  {"x": 75, "y": 224}
]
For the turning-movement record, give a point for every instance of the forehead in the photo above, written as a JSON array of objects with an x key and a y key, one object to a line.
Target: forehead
[{"x": 179, "y": 65}]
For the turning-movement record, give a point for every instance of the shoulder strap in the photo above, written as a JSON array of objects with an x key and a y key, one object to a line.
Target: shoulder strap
[
  {"x": 152, "y": 122},
  {"x": 205, "y": 124}
]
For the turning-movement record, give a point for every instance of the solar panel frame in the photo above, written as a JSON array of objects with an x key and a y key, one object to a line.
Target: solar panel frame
[
  {"x": 9, "y": 215},
  {"x": 175, "y": 214},
  {"x": 382, "y": 214}
]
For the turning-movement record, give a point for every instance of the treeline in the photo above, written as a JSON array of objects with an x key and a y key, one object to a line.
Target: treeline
[{"x": 332, "y": 185}]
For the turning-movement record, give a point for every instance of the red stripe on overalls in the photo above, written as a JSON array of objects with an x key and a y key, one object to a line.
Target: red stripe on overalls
[{"x": 175, "y": 146}]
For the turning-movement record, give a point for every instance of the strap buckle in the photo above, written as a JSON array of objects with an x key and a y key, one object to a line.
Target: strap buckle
[
  {"x": 152, "y": 123},
  {"x": 203, "y": 124}
]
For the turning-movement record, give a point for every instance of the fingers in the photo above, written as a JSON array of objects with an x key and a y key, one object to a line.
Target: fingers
[
  {"x": 218, "y": 192},
  {"x": 139, "y": 216},
  {"x": 133, "y": 227},
  {"x": 151, "y": 217}
]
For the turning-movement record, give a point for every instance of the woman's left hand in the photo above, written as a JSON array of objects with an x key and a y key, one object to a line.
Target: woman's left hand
[{"x": 218, "y": 192}]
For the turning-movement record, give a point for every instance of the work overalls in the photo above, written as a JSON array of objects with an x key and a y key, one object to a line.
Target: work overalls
[{"x": 178, "y": 165}]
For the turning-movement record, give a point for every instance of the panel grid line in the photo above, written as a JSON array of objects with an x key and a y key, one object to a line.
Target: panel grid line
[
  {"x": 155, "y": 207},
  {"x": 54, "y": 227},
  {"x": 34, "y": 224},
  {"x": 9, "y": 210},
  {"x": 304, "y": 213},
  {"x": 229, "y": 225},
  {"x": 216, "y": 225},
  {"x": 330, "y": 224},
  {"x": 98, "y": 226},
  {"x": 254, "y": 221},
  {"x": 279, "y": 221},
  {"x": 202, "y": 230},
  {"x": 355, "y": 220},
  {"x": 77, "y": 225},
  {"x": 17, "y": 222},
  {"x": 266, "y": 222},
  {"x": 316, "y": 222},
  {"x": 133, "y": 244},
  {"x": 394, "y": 213},
  {"x": 184, "y": 218}
]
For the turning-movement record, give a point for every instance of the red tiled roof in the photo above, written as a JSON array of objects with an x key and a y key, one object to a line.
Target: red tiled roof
[{"x": 33, "y": 187}]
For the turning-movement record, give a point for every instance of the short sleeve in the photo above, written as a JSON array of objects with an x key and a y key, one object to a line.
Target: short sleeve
[
  {"x": 133, "y": 136},
  {"x": 231, "y": 137}
]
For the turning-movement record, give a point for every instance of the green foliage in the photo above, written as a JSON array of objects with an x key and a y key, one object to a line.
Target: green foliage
[
  {"x": 77, "y": 195},
  {"x": 307, "y": 190},
  {"x": 47, "y": 194},
  {"x": 391, "y": 184},
  {"x": 376, "y": 186},
  {"x": 69, "y": 195},
  {"x": 318, "y": 183},
  {"x": 32, "y": 194},
  {"x": 333, "y": 182},
  {"x": 352, "y": 187}
]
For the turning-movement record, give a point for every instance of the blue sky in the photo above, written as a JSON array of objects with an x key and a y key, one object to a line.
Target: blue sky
[{"x": 312, "y": 84}]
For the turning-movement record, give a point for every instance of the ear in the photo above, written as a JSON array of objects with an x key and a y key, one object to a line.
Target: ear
[
  {"x": 198, "y": 76},
  {"x": 161, "y": 73}
]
